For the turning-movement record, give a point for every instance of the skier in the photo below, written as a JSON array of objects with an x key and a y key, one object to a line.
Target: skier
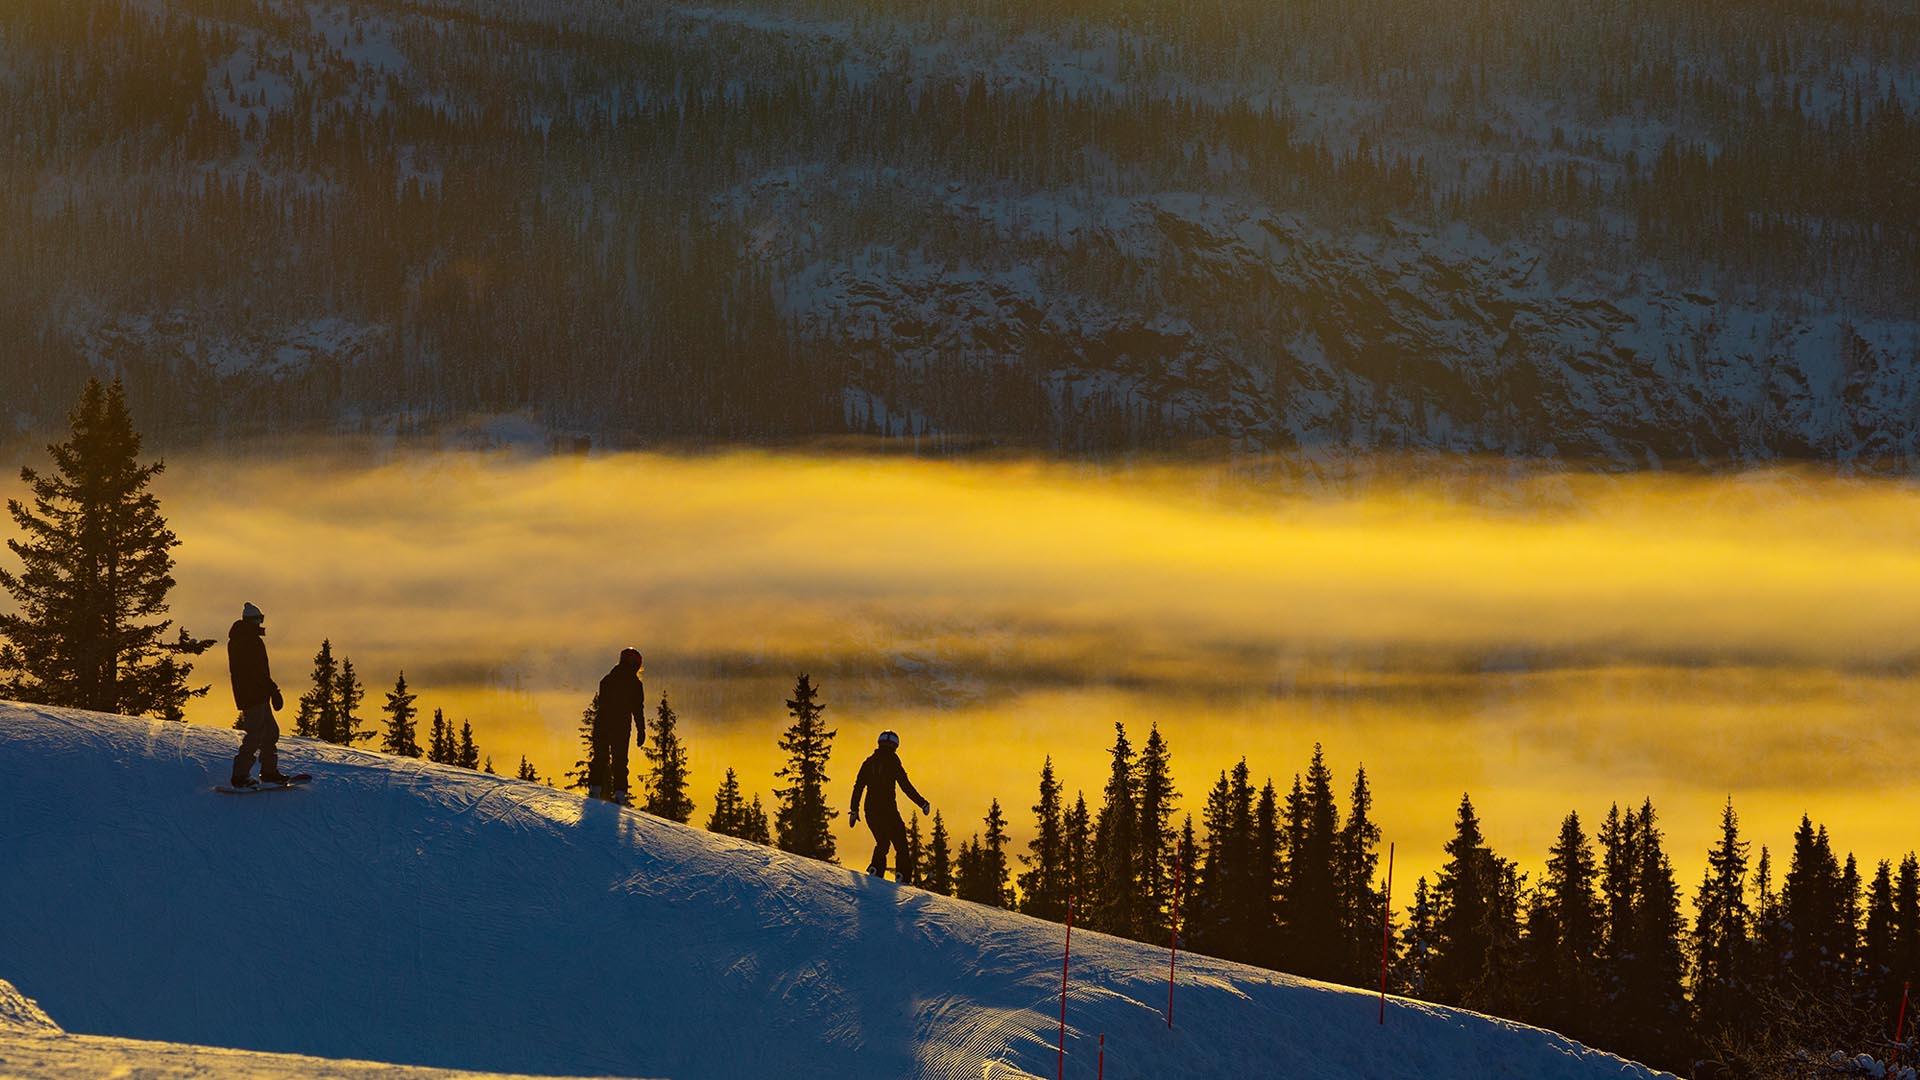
[
  {"x": 623, "y": 701},
  {"x": 878, "y": 774},
  {"x": 257, "y": 697}
]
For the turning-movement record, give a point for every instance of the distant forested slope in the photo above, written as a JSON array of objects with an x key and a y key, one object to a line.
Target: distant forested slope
[{"x": 1634, "y": 231}]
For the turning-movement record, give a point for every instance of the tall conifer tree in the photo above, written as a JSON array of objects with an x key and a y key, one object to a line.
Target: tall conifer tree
[
  {"x": 1157, "y": 797},
  {"x": 348, "y": 693},
  {"x": 1360, "y": 902},
  {"x": 468, "y": 754},
  {"x": 1115, "y": 906},
  {"x": 803, "y": 818},
  {"x": 318, "y": 715},
  {"x": 667, "y": 776},
  {"x": 88, "y": 629},
  {"x": 401, "y": 738},
  {"x": 1077, "y": 844},
  {"x": 1043, "y": 887},
  {"x": 939, "y": 870}
]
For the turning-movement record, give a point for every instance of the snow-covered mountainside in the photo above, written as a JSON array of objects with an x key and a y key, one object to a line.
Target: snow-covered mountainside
[
  {"x": 426, "y": 914},
  {"x": 32, "y": 1045},
  {"x": 1640, "y": 232}
]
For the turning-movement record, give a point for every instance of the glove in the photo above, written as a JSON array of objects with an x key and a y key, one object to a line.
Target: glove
[
  {"x": 853, "y": 816},
  {"x": 926, "y": 807},
  {"x": 279, "y": 703}
]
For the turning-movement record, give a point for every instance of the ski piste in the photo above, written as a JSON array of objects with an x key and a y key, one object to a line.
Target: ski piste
[{"x": 296, "y": 780}]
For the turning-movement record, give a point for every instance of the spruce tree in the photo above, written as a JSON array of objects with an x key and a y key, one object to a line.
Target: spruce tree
[
  {"x": 1114, "y": 905},
  {"x": 1619, "y": 863},
  {"x": 348, "y": 693},
  {"x": 1811, "y": 907},
  {"x": 916, "y": 857},
  {"x": 88, "y": 629},
  {"x": 1311, "y": 888},
  {"x": 1464, "y": 896},
  {"x": 1848, "y": 931},
  {"x": 1413, "y": 969},
  {"x": 1722, "y": 931},
  {"x": 318, "y": 716},
  {"x": 1077, "y": 847},
  {"x": 1877, "y": 962},
  {"x": 400, "y": 738},
  {"x": 1157, "y": 797},
  {"x": 1185, "y": 893},
  {"x": 1654, "y": 973},
  {"x": 667, "y": 776},
  {"x": 993, "y": 859},
  {"x": 1266, "y": 852},
  {"x": 1767, "y": 960},
  {"x": 441, "y": 748},
  {"x": 729, "y": 817},
  {"x": 1566, "y": 935},
  {"x": 1043, "y": 887},
  {"x": 1906, "y": 923},
  {"x": 1210, "y": 917},
  {"x": 803, "y": 818},
  {"x": 754, "y": 824},
  {"x": 526, "y": 771},
  {"x": 969, "y": 877},
  {"x": 468, "y": 756},
  {"x": 488, "y": 767},
  {"x": 1358, "y": 860},
  {"x": 939, "y": 872}
]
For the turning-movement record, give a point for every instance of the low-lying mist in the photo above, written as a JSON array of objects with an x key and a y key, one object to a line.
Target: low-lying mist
[{"x": 1544, "y": 640}]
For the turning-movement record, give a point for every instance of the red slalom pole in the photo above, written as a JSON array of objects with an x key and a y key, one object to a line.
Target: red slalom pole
[
  {"x": 1102, "y": 1074},
  {"x": 1065, "y": 955},
  {"x": 1386, "y": 933},
  {"x": 1900, "y": 1025},
  {"x": 1173, "y": 936}
]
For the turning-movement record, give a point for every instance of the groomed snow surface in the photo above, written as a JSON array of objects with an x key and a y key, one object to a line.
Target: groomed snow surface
[{"x": 423, "y": 914}]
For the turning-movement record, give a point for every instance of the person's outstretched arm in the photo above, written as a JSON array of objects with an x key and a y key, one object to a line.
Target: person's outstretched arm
[
  {"x": 859, "y": 785},
  {"x": 906, "y": 785}
]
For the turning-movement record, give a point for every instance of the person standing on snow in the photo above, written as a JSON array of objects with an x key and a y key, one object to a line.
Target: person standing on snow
[
  {"x": 878, "y": 775},
  {"x": 623, "y": 702},
  {"x": 256, "y": 696}
]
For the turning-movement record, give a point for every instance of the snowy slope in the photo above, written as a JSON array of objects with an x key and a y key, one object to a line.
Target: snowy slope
[
  {"x": 31, "y": 1044},
  {"x": 452, "y": 919}
]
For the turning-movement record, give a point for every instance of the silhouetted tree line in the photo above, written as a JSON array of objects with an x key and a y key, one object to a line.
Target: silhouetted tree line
[{"x": 1751, "y": 977}]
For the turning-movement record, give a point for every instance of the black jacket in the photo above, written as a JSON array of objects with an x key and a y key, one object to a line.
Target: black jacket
[
  {"x": 878, "y": 774},
  {"x": 247, "y": 663},
  {"x": 623, "y": 697}
]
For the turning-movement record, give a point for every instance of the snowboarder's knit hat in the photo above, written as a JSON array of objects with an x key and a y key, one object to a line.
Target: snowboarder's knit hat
[{"x": 253, "y": 613}]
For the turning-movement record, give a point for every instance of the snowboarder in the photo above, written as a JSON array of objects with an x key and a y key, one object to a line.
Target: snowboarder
[
  {"x": 257, "y": 697},
  {"x": 878, "y": 775},
  {"x": 623, "y": 702}
]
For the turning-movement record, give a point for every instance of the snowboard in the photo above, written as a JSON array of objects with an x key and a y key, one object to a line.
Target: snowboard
[{"x": 292, "y": 782}]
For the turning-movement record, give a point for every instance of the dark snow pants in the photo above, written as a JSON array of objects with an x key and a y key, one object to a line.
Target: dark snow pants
[
  {"x": 890, "y": 832},
  {"x": 262, "y": 735},
  {"x": 608, "y": 769}
]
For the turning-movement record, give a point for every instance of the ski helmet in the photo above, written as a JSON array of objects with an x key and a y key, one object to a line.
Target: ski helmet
[
  {"x": 890, "y": 739},
  {"x": 630, "y": 655}
]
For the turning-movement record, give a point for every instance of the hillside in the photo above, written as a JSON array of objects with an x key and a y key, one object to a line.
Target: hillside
[
  {"x": 32, "y": 1045},
  {"x": 435, "y": 916},
  {"x": 1633, "y": 233}
]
